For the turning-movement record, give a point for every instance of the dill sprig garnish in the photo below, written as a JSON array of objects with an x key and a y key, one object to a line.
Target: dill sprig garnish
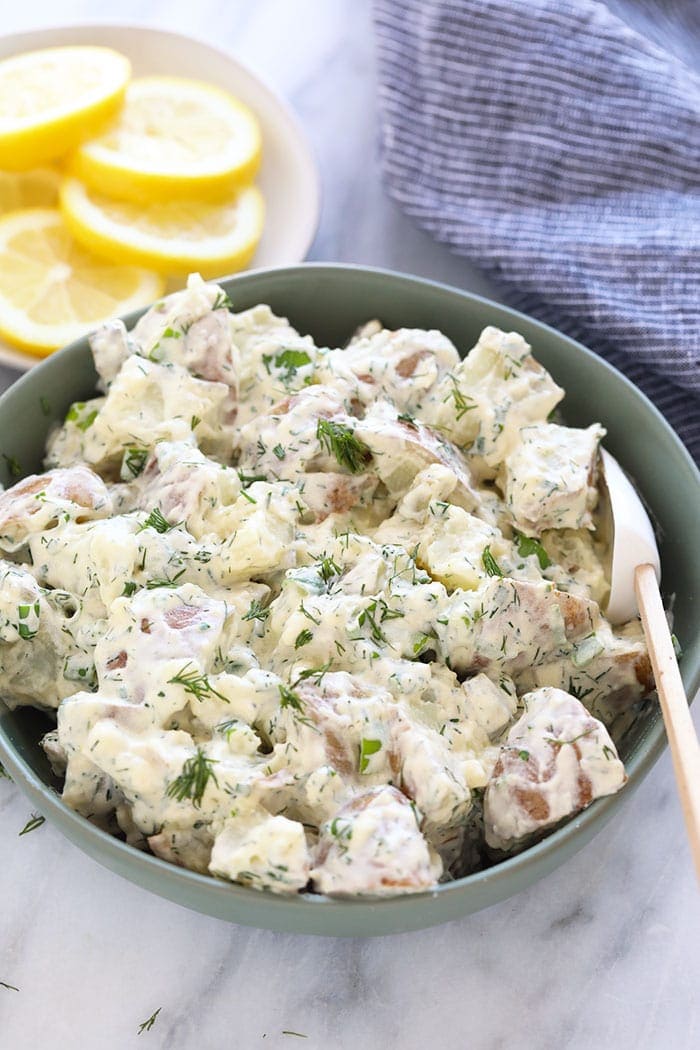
[
  {"x": 339, "y": 440},
  {"x": 192, "y": 782},
  {"x": 195, "y": 683},
  {"x": 157, "y": 521}
]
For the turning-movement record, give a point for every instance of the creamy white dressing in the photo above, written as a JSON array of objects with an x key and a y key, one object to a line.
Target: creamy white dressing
[{"x": 316, "y": 618}]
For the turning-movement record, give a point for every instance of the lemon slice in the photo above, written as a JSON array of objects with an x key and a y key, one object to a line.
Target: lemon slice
[
  {"x": 50, "y": 101},
  {"x": 52, "y": 290},
  {"x": 173, "y": 138},
  {"x": 174, "y": 237},
  {"x": 37, "y": 188}
]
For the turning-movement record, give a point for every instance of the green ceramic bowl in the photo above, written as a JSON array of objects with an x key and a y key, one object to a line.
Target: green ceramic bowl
[{"x": 329, "y": 302}]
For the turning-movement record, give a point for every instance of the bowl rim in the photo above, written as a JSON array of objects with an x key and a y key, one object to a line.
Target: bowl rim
[{"x": 581, "y": 826}]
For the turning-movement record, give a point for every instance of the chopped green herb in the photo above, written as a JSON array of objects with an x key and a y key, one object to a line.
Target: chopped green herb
[
  {"x": 367, "y": 749},
  {"x": 222, "y": 302},
  {"x": 194, "y": 422},
  {"x": 528, "y": 545},
  {"x": 308, "y": 615},
  {"x": 677, "y": 647},
  {"x": 288, "y": 361},
  {"x": 250, "y": 479},
  {"x": 129, "y": 588},
  {"x": 327, "y": 569},
  {"x": 303, "y": 638},
  {"x": 288, "y": 698},
  {"x": 367, "y": 616},
  {"x": 257, "y": 611},
  {"x": 195, "y": 683},
  {"x": 76, "y": 415},
  {"x": 171, "y": 333},
  {"x": 489, "y": 562},
  {"x": 608, "y": 752},
  {"x": 34, "y": 822},
  {"x": 135, "y": 460},
  {"x": 45, "y": 405},
  {"x": 279, "y": 452},
  {"x": 300, "y": 1035},
  {"x": 462, "y": 402},
  {"x": 525, "y": 755},
  {"x": 192, "y": 782},
  {"x": 406, "y": 417},
  {"x": 146, "y": 1026},
  {"x": 165, "y": 581},
  {"x": 157, "y": 521},
  {"x": 4, "y": 775},
  {"x": 10, "y": 987},
  {"x": 339, "y": 440}
]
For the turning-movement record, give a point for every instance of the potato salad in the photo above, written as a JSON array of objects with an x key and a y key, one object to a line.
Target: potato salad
[{"x": 317, "y": 619}]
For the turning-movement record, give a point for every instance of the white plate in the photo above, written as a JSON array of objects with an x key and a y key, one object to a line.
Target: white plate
[{"x": 288, "y": 177}]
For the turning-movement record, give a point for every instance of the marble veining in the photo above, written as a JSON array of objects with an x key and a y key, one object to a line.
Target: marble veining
[{"x": 602, "y": 954}]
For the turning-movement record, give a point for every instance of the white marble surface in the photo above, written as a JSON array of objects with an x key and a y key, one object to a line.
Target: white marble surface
[{"x": 604, "y": 953}]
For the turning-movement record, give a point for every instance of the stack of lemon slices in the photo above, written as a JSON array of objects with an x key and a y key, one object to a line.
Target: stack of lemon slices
[{"x": 109, "y": 185}]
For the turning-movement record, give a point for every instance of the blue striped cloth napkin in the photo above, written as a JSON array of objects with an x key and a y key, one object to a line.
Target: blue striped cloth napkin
[{"x": 560, "y": 150}]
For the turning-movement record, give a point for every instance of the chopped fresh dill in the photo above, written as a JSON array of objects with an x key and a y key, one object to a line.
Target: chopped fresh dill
[
  {"x": 305, "y": 612},
  {"x": 339, "y": 440},
  {"x": 195, "y": 683},
  {"x": 462, "y": 401},
  {"x": 146, "y": 1026},
  {"x": 165, "y": 581},
  {"x": 560, "y": 743},
  {"x": 303, "y": 638},
  {"x": 192, "y": 782},
  {"x": 157, "y": 521},
  {"x": 34, "y": 822},
  {"x": 257, "y": 611},
  {"x": 288, "y": 698},
  {"x": 327, "y": 569},
  {"x": 11, "y": 987},
  {"x": 489, "y": 562},
  {"x": 368, "y": 616},
  {"x": 135, "y": 460},
  {"x": 129, "y": 588},
  {"x": 279, "y": 452},
  {"x": 194, "y": 422}
]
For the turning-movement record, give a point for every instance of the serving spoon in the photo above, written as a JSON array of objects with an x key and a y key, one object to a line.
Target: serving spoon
[{"x": 634, "y": 590}]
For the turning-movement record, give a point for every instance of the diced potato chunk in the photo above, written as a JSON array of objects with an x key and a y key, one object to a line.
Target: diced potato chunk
[
  {"x": 550, "y": 477},
  {"x": 556, "y": 760}
]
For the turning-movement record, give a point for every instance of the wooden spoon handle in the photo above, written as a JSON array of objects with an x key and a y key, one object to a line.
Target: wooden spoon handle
[{"x": 680, "y": 730}]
